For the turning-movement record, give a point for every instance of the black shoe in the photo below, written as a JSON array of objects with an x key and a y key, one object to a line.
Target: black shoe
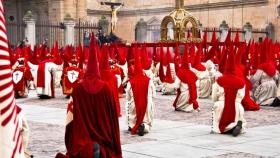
[
  {"x": 96, "y": 150},
  {"x": 237, "y": 130},
  {"x": 129, "y": 129},
  {"x": 44, "y": 97},
  {"x": 140, "y": 130},
  {"x": 276, "y": 102}
]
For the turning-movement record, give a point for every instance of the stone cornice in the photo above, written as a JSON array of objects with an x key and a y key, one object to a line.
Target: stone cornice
[{"x": 196, "y": 7}]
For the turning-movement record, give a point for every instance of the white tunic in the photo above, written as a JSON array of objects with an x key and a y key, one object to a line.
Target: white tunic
[
  {"x": 203, "y": 84},
  {"x": 131, "y": 110},
  {"x": 182, "y": 102},
  {"x": 50, "y": 69},
  {"x": 264, "y": 87},
  {"x": 218, "y": 99}
]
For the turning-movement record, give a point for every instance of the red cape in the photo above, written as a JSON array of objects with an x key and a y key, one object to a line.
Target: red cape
[
  {"x": 139, "y": 84},
  {"x": 231, "y": 84},
  {"x": 188, "y": 77},
  {"x": 27, "y": 76},
  {"x": 269, "y": 68},
  {"x": 110, "y": 78},
  {"x": 95, "y": 121},
  {"x": 247, "y": 102}
]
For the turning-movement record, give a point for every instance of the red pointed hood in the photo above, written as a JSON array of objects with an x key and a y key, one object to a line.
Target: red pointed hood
[
  {"x": 113, "y": 52},
  {"x": 104, "y": 59},
  {"x": 239, "y": 54},
  {"x": 168, "y": 77},
  {"x": 68, "y": 53},
  {"x": 168, "y": 56},
  {"x": 138, "y": 64},
  {"x": 205, "y": 37},
  {"x": 231, "y": 78},
  {"x": 188, "y": 77},
  {"x": 214, "y": 38},
  {"x": 177, "y": 58},
  {"x": 267, "y": 63},
  {"x": 228, "y": 39},
  {"x": 223, "y": 59},
  {"x": 56, "y": 54},
  {"x": 131, "y": 56},
  {"x": 161, "y": 69},
  {"x": 240, "y": 68},
  {"x": 185, "y": 59},
  {"x": 122, "y": 55},
  {"x": 197, "y": 60},
  {"x": 92, "y": 70},
  {"x": 91, "y": 82},
  {"x": 230, "y": 64},
  {"x": 146, "y": 61},
  {"x": 192, "y": 53},
  {"x": 231, "y": 83},
  {"x": 236, "y": 39}
]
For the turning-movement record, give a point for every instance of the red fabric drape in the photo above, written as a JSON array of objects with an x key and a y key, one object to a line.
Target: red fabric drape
[
  {"x": 41, "y": 75},
  {"x": 247, "y": 102},
  {"x": 95, "y": 120},
  {"x": 228, "y": 115},
  {"x": 188, "y": 77},
  {"x": 139, "y": 85}
]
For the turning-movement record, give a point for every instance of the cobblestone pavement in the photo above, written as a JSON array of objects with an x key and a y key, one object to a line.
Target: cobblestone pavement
[{"x": 46, "y": 139}]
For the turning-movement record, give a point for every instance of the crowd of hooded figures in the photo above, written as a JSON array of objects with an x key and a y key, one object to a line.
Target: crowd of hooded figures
[{"x": 237, "y": 76}]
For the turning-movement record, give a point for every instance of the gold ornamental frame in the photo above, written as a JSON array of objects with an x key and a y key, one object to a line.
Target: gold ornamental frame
[{"x": 180, "y": 18}]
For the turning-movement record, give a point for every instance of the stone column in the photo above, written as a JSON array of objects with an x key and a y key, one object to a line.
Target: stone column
[
  {"x": 248, "y": 31},
  {"x": 29, "y": 31},
  {"x": 104, "y": 24},
  {"x": 141, "y": 31},
  {"x": 270, "y": 29},
  {"x": 69, "y": 33},
  {"x": 224, "y": 31}
]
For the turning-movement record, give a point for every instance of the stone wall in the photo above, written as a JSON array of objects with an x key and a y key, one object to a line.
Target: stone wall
[
  {"x": 47, "y": 10},
  {"x": 17, "y": 8}
]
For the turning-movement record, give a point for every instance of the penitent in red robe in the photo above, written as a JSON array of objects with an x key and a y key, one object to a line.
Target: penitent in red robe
[{"x": 95, "y": 121}]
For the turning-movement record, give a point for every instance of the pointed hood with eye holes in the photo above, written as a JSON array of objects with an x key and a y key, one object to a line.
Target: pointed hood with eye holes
[
  {"x": 187, "y": 77},
  {"x": 231, "y": 83},
  {"x": 91, "y": 81},
  {"x": 139, "y": 85},
  {"x": 197, "y": 60}
]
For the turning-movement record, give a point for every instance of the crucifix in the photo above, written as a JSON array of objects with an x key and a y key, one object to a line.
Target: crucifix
[
  {"x": 17, "y": 76},
  {"x": 115, "y": 6},
  {"x": 73, "y": 74}
]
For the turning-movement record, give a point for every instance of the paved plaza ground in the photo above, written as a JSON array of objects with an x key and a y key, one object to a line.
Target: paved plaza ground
[{"x": 174, "y": 134}]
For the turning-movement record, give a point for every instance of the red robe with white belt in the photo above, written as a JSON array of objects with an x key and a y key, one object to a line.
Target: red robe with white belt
[
  {"x": 45, "y": 78},
  {"x": 72, "y": 76},
  {"x": 20, "y": 77}
]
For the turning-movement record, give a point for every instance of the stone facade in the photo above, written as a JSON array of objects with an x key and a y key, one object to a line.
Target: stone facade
[
  {"x": 211, "y": 13},
  {"x": 46, "y": 10}
]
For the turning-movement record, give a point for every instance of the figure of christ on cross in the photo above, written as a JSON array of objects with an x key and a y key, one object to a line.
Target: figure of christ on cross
[{"x": 115, "y": 6}]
